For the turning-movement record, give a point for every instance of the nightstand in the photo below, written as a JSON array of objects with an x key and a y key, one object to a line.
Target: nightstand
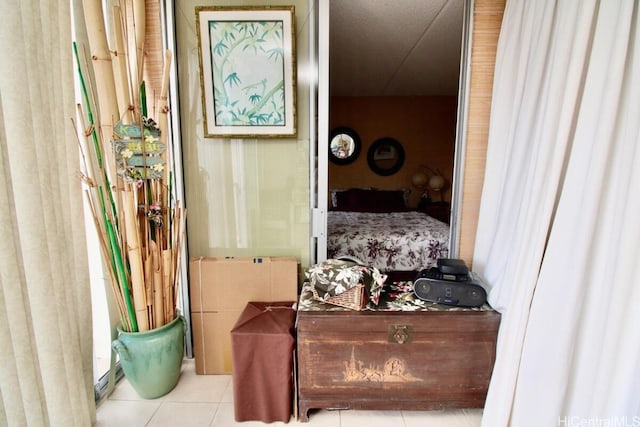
[{"x": 438, "y": 210}]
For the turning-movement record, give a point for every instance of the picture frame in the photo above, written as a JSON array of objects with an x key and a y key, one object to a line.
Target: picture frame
[
  {"x": 385, "y": 152},
  {"x": 247, "y": 70}
]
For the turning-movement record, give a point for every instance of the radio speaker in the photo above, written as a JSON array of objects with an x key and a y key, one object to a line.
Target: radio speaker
[{"x": 459, "y": 294}]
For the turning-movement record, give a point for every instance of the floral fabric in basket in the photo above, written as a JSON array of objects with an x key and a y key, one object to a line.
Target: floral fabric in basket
[{"x": 333, "y": 277}]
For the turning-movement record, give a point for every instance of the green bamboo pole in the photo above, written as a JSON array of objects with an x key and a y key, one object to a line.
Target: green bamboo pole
[
  {"x": 143, "y": 99},
  {"x": 99, "y": 190},
  {"x": 110, "y": 256},
  {"x": 83, "y": 87},
  {"x": 104, "y": 81},
  {"x": 96, "y": 141},
  {"x": 122, "y": 275},
  {"x": 106, "y": 255}
]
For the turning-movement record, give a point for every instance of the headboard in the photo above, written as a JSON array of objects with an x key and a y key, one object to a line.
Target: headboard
[{"x": 369, "y": 200}]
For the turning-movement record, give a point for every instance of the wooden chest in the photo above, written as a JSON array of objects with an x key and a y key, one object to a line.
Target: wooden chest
[{"x": 394, "y": 360}]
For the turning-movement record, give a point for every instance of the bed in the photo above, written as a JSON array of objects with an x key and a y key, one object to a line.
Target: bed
[{"x": 377, "y": 228}]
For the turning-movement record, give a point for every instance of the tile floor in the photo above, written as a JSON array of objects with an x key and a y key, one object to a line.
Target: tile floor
[{"x": 207, "y": 401}]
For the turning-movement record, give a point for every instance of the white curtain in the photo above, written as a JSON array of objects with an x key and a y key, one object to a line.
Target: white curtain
[
  {"x": 46, "y": 376},
  {"x": 558, "y": 236}
]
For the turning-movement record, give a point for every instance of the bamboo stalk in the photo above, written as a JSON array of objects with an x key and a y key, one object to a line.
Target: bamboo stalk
[
  {"x": 142, "y": 255},
  {"x": 135, "y": 260},
  {"x": 167, "y": 269},
  {"x": 140, "y": 23},
  {"x": 101, "y": 180},
  {"x": 137, "y": 20},
  {"x": 177, "y": 218},
  {"x": 158, "y": 292},
  {"x": 143, "y": 99},
  {"x": 110, "y": 271},
  {"x": 148, "y": 285},
  {"x": 87, "y": 163},
  {"x": 122, "y": 277},
  {"x": 104, "y": 79},
  {"x": 104, "y": 226},
  {"x": 176, "y": 260},
  {"x": 83, "y": 87},
  {"x": 163, "y": 124},
  {"x": 163, "y": 100},
  {"x": 123, "y": 90}
]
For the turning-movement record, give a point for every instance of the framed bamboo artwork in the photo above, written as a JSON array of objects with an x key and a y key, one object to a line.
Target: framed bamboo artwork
[{"x": 247, "y": 71}]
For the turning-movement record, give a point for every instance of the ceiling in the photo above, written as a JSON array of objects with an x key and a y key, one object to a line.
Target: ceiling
[{"x": 395, "y": 47}]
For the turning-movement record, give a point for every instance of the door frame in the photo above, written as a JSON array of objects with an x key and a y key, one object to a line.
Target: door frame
[
  {"x": 319, "y": 88},
  {"x": 319, "y": 91}
]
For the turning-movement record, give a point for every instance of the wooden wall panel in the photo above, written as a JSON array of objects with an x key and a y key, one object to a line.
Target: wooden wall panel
[{"x": 487, "y": 19}]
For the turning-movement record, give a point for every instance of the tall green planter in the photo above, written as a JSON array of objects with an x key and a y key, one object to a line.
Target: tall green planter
[{"x": 152, "y": 360}]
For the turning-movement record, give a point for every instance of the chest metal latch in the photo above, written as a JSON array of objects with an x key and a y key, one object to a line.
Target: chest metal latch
[{"x": 400, "y": 334}]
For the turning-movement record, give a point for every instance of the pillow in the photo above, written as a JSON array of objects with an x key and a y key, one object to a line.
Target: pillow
[
  {"x": 345, "y": 200},
  {"x": 362, "y": 200},
  {"x": 334, "y": 196},
  {"x": 333, "y": 277}
]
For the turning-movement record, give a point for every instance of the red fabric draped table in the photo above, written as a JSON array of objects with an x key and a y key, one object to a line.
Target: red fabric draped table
[{"x": 262, "y": 345}]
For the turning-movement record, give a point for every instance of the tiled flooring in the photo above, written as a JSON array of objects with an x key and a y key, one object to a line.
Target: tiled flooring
[{"x": 207, "y": 401}]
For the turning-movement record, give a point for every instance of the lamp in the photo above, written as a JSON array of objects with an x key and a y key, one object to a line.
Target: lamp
[
  {"x": 420, "y": 180},
  {"x": 435, "y": 182}
]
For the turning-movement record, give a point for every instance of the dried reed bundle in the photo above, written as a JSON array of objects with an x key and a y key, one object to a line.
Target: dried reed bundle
[{"x": 127, "y": 167}]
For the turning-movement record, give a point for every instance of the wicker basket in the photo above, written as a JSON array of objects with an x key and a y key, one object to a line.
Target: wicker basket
[{"x": 355, "y": 298}]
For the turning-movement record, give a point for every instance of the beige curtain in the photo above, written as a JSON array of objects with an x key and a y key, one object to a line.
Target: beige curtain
[
  {"x": 45, "y": 310},
  {"x": 558, "y": 230}
]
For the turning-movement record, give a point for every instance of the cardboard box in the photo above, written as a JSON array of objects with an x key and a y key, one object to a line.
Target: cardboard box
[{"x": 220, "y": 289}]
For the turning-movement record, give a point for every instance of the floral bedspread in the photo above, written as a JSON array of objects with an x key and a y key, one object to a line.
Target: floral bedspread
[
  {"x": 397, "y": 296},
  {"x": 405, "y": 241}
]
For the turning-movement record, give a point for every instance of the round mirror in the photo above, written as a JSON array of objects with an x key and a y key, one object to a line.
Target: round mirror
[
  {"x": 344, "y": 145},
  {"x": 385, "y": 156}
]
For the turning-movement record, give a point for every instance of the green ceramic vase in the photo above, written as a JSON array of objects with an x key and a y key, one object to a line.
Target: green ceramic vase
[{"x": 151, "y": 360}]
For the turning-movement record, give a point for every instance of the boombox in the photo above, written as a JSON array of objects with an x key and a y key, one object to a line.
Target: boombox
[{"x": 450, "y": 283}]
